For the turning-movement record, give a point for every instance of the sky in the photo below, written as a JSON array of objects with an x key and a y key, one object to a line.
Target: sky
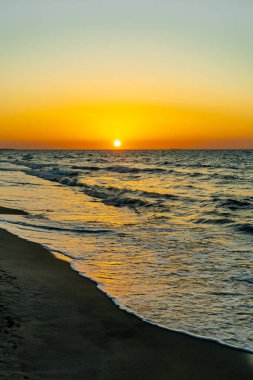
[{"x": 156, "y": 74}]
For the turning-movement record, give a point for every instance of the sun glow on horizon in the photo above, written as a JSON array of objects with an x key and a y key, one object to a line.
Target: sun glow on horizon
[
  {"x": 117, "y": 143},
  {"x": 84, "y": 76}
]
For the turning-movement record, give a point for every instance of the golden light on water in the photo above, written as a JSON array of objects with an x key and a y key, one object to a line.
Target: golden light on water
[{"x": 117, "y": 143}]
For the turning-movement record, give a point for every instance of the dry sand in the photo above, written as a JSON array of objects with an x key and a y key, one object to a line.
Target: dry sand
[{"x": 57, "y": 325}]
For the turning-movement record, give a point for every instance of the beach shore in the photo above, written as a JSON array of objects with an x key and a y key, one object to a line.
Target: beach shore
[{"x": 55, "y": 324}]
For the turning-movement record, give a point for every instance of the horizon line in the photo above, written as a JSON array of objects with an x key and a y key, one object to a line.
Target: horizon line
[{"x": 120, "y": 150}]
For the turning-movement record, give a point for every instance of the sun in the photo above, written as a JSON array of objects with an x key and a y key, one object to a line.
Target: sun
[{"x": 117, "y": 143}]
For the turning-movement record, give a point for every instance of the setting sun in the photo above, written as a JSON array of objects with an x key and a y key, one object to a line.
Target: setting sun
[{"x": 117, "y": 143}]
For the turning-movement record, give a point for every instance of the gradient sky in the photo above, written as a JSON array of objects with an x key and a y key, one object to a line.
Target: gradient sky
[{"x": 154, "y": 73}]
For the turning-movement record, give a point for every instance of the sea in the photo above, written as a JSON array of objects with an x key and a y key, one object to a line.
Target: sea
[{"x": 167, "y": 234}]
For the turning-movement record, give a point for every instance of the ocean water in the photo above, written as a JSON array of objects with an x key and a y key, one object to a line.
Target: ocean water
[{"x": 167, "y": 234}]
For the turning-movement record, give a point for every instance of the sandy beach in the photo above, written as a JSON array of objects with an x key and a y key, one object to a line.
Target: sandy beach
[{"x": 56, "y": 324}]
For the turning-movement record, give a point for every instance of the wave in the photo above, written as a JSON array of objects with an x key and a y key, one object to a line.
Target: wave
[
  {"x": 120, "y": 169},
  {"x": 62, "y": 229},
  {"x": 27, "y": 156},
  {"x": 245, "y": 227},
  {"x": 109, "y": 195},
  {"x": 114, "y": 168},
  {"x": 214, "y": 221},
  {"x": 112, "y": 196},
  {"x": 235, "y": 204},
  {"x": 246, "y": 279},
  {"x": 123, "y": 169},
  {"x": 239, "y": 227},
  {"x": 205, "y": 176},
  {"x": 9, "y": 169}
]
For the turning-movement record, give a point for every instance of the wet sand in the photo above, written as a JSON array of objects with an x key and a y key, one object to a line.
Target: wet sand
[{"x": 54, "y": 324}]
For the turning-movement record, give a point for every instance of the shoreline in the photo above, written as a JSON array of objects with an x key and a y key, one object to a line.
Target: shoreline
[
  {"x": 68, "y": 259},
  {"x": 129, "y": 311},
  {"x": 57, "y": 324}
]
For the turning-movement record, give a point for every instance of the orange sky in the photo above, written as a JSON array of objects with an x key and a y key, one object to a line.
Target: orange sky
[
  {"x": 154, "y": 75},
  {"x": 139, "y": 126}
]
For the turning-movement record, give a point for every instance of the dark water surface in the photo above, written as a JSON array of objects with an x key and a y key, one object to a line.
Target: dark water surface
[{"x": 167, "y": 234}]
